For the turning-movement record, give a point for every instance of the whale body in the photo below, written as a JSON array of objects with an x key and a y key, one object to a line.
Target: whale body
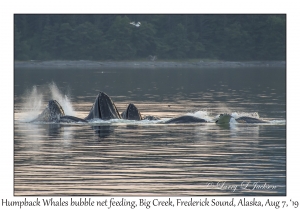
[
  {"x": 70, "y": 119},
  {"x": 186, "y": 119},
  {"x": 225, "y": 118},
  {"x": 249, "y": 120}
]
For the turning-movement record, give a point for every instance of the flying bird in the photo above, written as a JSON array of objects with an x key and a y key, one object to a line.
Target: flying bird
[{"x": 136, "y": 24}]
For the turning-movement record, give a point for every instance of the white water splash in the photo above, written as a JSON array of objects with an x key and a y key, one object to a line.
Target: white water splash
[
  {"x": 63, "y": 100},
  {"x": 201, "y": 114},
  {"x": 32, "y": 104},
  {"x": 232, "y": 121},
  {"x": 236, "y": 115},
  {"x": 278, "y": 122}
]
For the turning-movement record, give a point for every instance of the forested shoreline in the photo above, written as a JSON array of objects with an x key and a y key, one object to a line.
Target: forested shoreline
[{"x": 247, "y": 37}]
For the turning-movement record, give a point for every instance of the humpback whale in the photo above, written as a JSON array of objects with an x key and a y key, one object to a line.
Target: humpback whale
[
  {"x": 51, "y": 113},
  {"x": 55, "y": 113},
  {"x": 225, "y": 118},
  {"x": 131, "y": 113},
  {"x": 249, "y": 120},
  {"x": 103, "y": 108}
]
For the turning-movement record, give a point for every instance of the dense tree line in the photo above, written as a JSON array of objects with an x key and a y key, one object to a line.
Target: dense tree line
[{"x": 111, "y": 37}]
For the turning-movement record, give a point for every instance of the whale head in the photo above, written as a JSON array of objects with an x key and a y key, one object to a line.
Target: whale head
[
  {"x": 131, "y": 113},
  {"x": 103, "y": 108},
  {"x": 51, "y": 113},
  {"x": 223, "y": 119}
]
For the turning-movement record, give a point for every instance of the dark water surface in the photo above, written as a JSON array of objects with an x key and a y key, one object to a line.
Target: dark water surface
[{"x": 147, "y": 158}]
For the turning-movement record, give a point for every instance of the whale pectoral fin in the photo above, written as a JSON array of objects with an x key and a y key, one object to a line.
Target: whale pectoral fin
[{"x": 223, "y": 119}]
